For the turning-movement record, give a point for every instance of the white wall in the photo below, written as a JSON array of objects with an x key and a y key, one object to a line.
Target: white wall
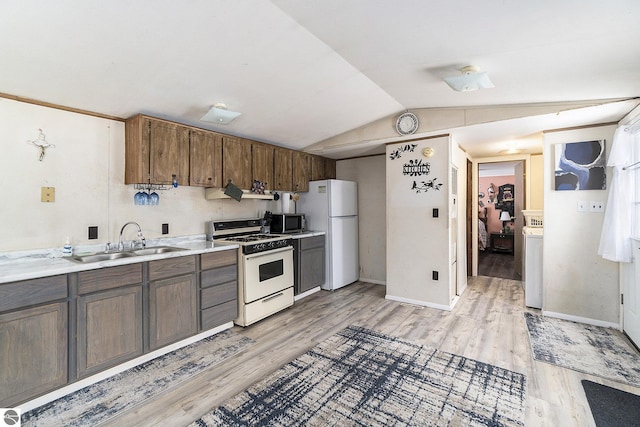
[
  {"x": 459, "y": 160},
  {"x": 417, "y": 243},
  {"x": 86, "y": 167},
  {"x": 369, "y": 173},
  {"x": 577, "y": 283}
]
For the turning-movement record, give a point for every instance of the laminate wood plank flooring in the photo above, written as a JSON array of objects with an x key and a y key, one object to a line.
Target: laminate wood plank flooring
[
  {"x": 487, "y": 325},
  {"x": 496, "y": 264}
]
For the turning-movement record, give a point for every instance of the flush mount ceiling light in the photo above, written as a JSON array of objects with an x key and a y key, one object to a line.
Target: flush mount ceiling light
[
  {"x": 471, "y": 79},
  {"x": 219, "y": 114}
]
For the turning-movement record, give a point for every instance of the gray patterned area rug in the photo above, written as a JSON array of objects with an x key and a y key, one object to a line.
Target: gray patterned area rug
[
  {"x": 365, "y": 378},
  {"x": 99, "y": 402},
  {"x": 594, "y": 350}
]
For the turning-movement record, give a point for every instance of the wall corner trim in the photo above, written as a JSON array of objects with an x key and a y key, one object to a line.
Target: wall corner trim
[{"x": 418, "y": 302}]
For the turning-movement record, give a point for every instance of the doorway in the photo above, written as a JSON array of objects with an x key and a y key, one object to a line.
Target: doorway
[{"x": 499, "y": 198}]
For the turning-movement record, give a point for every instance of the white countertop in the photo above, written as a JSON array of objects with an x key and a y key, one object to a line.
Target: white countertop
[
  {"x": 304, "y": 234},
  {"x": 26, "y": 265}
]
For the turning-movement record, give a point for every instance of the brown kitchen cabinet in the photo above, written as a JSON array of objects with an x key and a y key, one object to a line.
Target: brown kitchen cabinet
[
  {"x": 218, "y": 288},
  {"x": 262, "y": 164},
  {"x": 155, "y": 151},
  {"x": 109, "y": 318},
  {"x": 34, "y": 344},
  {"x": 301, "y": 171},
  {"x": 236, "y": 162},
  {"x": 329, "y": 168},
  {"x": 205, "y": 159},
  {"x": 317, "y": 168},
  {"x": 173, "y": 311},
  {"x": 282, "y": 169},
  {"x": 322, "y": 168}
]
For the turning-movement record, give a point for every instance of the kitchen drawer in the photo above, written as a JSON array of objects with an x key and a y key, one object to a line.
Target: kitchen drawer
[
  {"x": 109, "y": 278},
  {"x": 265, "y": 307},
  {"x": 218, "y": 259},
  {"x": 218, "y": 294},
  {"x": 219, "y": 314},
  {"x": 219, "y": 275},
  {"x": 31, "y": 292},
  {"x": 311, "y": 242},
  {"x": 171, "y": 267}
]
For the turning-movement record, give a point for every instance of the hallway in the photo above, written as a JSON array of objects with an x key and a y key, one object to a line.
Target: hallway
[{"x": 492, "y": 264}]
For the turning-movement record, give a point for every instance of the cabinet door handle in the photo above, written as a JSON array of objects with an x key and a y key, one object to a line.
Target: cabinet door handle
[{"x": 273, "y": 297}]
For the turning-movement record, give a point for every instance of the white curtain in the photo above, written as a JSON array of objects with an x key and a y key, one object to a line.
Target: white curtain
[{"x": 615, "y": 240}]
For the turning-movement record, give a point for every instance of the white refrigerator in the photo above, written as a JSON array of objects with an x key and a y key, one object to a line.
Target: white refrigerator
[{"x": 332, "y": 206}]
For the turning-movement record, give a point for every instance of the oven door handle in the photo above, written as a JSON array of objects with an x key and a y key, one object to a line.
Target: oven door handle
[
  {"x": 273, "y": 297},
  {"x": 269, "y": 252}
]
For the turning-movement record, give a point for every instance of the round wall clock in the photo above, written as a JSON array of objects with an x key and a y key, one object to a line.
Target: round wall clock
[{"x": 407, "y": 123}]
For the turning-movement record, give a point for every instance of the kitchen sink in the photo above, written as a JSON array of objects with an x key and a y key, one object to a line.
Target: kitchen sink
[
  {"x": 108, "y": 256},
  {"x": 156, "y": 250},
  {"x": 99, "y": 257}
]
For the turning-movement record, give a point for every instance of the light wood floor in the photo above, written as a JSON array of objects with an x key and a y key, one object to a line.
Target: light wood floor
[{"x": 486, "y": 325}]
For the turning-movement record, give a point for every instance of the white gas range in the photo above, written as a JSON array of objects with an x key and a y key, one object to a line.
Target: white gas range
[{"x": 265, "y": 268}]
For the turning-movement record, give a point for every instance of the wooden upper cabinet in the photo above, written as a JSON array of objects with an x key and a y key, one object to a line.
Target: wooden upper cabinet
[
  {"x": 301, "y": 171},
  {"x": 329, "y": 168},
  {"x": 322, "y": 168},
  {"x": 236, "y": 162},
  {"x": 155, "y": 150},
  {"x": 205, "y": 159},
  {"x": 282, "y": 169},
  {"x": 262, "y": 164},
  {"x": 317, "y": 168}
]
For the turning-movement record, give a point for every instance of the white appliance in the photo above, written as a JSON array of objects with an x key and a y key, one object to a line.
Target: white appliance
[
  {"x": 332, "y": 206},
  {"x": 265, "y": 268},
  {"x": 532, "y": 258}
]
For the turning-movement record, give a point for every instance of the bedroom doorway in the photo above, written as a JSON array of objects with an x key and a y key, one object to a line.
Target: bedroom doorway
[{"x": 499, "y": 200}]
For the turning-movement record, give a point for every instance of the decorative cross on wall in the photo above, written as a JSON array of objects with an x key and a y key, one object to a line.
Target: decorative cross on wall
[{"x": 42, "y": 143}]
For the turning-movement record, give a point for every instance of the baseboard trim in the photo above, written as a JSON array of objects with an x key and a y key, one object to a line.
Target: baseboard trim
[
  {"x": 579, "y": 319},
  {"x": 307, "y": 293},
  {"x": 374, "y": 281},
  {"x": 418, "y": 302},
  {"x": 73, "y": 387}
]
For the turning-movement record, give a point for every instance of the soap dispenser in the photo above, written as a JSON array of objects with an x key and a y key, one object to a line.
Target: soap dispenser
[{"x": 67, "y": 249}]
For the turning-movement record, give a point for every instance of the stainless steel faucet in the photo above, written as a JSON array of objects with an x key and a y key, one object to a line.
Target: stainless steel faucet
[{"x": 142, "y": 239}]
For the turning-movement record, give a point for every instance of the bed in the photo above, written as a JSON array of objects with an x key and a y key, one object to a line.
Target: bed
[{"x": 483, "y": 237}]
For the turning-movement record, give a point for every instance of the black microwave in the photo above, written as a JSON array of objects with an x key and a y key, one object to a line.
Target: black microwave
[{"x": 284, "y": 223}]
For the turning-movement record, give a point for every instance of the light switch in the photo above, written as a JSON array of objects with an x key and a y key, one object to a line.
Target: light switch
[{"x": 48, "y": 194}]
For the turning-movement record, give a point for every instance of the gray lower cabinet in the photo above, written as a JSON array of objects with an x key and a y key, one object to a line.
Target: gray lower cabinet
[
  {"x": 33, "y": 340},
  {"x": 218, "y": 288},
  {"x": 109, "y": 317},
  {"x": 172, "y": 300},
  {"x": 309, "y": 263},
  {"x": 58, "y": 329}
]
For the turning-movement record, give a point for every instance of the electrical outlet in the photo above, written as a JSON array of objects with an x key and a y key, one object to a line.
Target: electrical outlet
[
  {"x": 48, "y": 194},
  {"x": 93, "y": 232},
  {"x": 434, "y": 275},
  {"x": 596, "y": 206},
  {"x": 165, "y": 228},
  {"x": 583, "y": 206}
]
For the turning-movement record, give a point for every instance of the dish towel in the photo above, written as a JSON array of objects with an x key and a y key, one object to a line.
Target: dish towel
[{"x": 232, "y": 191}]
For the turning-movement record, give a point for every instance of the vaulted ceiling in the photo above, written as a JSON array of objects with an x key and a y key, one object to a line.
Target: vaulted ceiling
[{"x": 308, "y": 73}]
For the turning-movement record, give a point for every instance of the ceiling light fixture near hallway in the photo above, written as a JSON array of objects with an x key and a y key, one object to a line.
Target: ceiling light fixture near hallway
[
  {"x": 471, "y": 79},
  {"x": 219, "y": 114},
  {"x": 512, "y": 148}
]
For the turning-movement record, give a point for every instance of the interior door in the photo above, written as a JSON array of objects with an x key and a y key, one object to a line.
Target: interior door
[{"x": 631, "y": 304}]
